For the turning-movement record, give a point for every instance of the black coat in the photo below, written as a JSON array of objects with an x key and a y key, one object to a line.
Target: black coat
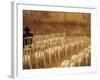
[{"x": 27, "y": 41}]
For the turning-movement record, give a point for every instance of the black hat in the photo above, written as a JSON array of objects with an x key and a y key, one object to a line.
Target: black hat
[{"x": 26, "y": 29}]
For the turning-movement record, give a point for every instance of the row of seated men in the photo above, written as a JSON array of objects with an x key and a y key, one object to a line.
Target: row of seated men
[{"x": 83, "y": 58}]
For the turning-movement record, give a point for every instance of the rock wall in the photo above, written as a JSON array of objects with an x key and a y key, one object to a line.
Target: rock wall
[{"x": 44, "y": 22}]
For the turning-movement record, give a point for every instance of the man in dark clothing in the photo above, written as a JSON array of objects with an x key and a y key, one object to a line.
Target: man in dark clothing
[{"x": 27, "y": 37}]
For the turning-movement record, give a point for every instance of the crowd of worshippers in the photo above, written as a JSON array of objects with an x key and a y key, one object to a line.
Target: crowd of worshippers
[{"x": 41, "y": 51}]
